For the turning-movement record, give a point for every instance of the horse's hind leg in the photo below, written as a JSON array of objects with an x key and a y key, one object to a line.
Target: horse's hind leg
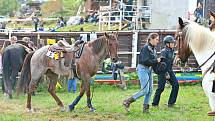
[
  {"x": 7, "y": 82},
  {"x": 31, "y": 89},
  {"x": 52, "y": 84},
  {"x": 75, "y": 102},
  {"x": 35, "y": 76},
  {"x": 14, "y": 74}
]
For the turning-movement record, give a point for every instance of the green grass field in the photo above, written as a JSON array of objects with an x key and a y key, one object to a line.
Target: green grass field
[{"x": 192, "y": 105}]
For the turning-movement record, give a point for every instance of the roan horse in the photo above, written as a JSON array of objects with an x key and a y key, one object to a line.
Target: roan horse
[
  {"x": 40, "y": 62},
  {"x": 12, "y": 59},
  {"x": 94, "y": 53},
  {"x": 201, "y": 41}
]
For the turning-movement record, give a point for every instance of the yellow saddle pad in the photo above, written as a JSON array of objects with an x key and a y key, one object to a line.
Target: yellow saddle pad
[{"x": 56, "y": 55}]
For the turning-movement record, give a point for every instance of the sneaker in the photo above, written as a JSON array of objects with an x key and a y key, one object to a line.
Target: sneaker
[
  {"x": 153, "y": 105},
  {"x": 170, "y": 105},
  {"x": 126, "y": 105},
  {"x": 127, "y": 102},
  {"x": 145, "y": 107}
]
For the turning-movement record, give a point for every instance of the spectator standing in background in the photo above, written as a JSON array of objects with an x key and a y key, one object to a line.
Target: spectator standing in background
[
  {"x": 199, "y": 12},
  {"x": 36, "y": 22}
]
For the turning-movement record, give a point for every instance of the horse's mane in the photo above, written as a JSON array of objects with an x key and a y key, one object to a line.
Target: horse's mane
[
  {"x": 22, "y": 42},
  {"x": 98, "y": 44},
  {"x": 200, "y": 36}
]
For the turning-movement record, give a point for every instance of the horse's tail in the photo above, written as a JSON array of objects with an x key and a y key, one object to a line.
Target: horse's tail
[
  {"x": 25, "y": 76},
  {"x": 6, "y": 71}
]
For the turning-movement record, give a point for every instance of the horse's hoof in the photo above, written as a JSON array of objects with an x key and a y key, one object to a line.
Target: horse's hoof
[
  {"x": 30, "y": 110},
  {"x": 10, "y": 96},
  {"x": 70, "y": 108},
  {"x": 92, "y": 109},
  {"x": 62, "y": 109},
  {"x": 7, "y": 96}
]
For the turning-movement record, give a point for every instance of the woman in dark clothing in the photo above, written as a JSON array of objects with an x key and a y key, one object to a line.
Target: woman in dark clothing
[{"x": 147, "y": 59}]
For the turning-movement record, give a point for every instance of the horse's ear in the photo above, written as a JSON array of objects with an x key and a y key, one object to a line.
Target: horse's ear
[
  {"x": 212, "y": 14},
  {"x": 180, "y": 21},
  {"x": 106, "y": 35},
  {"x": 116, "y": 33}
]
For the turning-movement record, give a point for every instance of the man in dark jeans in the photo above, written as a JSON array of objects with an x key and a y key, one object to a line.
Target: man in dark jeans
[
  {"x": 36, "y": 22},
  {"x": 167, "y": 53}
]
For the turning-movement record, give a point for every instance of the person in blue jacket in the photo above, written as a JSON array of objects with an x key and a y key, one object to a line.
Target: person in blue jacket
[{"x": 168, "y": 54}]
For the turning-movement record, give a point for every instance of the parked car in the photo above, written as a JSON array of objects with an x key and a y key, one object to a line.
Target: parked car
[{"x": 4, "y": 19}]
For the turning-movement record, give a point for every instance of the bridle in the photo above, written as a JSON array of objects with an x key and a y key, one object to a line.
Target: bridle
[
  {"x": 179, "y": 37},
  {"x": 109, "y": 48},
  {"x": 180, "y": 41}
]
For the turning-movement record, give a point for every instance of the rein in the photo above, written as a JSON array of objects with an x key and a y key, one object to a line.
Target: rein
[
  {"x": 209, "y": 66},
  {"x": 179, "y": 37},
  {"x": 207, "y": 60},
  {"x": 93, "y": 85}
]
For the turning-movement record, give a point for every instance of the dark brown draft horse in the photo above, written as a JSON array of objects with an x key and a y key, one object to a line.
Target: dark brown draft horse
[
  {"x": 12, "y": 59},
  {"x": 93, "y": 55},
  {"x": 38, "y": 63}
]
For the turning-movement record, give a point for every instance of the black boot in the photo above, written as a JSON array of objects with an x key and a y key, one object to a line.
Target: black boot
[
  {"x": 145, "y": 107},
  {"x": 127, "y": 102}
]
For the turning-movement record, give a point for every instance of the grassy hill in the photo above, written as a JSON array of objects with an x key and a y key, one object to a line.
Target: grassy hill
[
  {"x": 64, "y": 8},
  {"x": 61, "y": 8}
]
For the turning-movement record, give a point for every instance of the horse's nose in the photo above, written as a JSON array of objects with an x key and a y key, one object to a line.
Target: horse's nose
[
  {"x": 181, "y": 63},
  {"x": 66, "y": 64}
]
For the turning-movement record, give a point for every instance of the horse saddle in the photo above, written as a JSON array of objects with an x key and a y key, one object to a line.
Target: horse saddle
[
  {"x": 62, "y": 43},
  {"x": 59, "y": 46}
]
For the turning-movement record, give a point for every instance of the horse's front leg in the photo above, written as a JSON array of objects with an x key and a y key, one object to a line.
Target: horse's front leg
[
  {"x": 75, "y": 102},
  {"x": 207, "y": 86},
  {"x": 51, "y": 90},
  {"x": 89, "y": 103}
]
